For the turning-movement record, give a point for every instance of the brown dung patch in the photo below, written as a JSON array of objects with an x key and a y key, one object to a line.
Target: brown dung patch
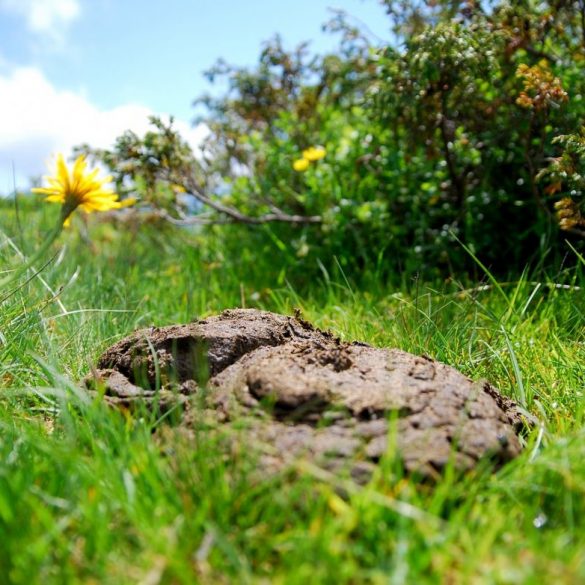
[{"x": 304, "y": 393}]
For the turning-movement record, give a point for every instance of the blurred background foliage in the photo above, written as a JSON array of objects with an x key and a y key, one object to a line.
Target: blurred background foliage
[{"x": 466, "y": 126}]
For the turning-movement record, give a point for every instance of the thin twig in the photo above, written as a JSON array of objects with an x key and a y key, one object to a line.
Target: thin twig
[
  {"x": 576, "y": 232},
  {"x": 196, "y": 190}
]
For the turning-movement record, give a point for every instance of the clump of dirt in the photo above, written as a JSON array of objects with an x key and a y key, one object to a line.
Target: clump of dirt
[{"x": 304, "y": 393}]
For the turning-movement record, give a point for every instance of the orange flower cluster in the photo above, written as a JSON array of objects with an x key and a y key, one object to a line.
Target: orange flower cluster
[
  {"x": 569, "y": 215},
  {"x": 541, "y": 88}
]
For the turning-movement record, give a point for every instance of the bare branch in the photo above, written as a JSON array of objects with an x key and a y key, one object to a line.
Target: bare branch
[
  {"x": 236, "y": 216},
  {"x": 267, "y": 218},
  {"x": 200, "y": 219},
  {"x": 576, "y": 232}
]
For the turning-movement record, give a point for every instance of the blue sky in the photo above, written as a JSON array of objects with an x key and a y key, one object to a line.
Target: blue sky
[{"x": 76, "y": 71}]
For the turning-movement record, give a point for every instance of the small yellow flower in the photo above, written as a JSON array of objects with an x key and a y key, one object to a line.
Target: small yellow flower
[
  {"x": 78, "y": 188},
  {"x": 314, "y": 153},
  {"x": 301, "y": 164},
  {"x": 129, "y": 201}
]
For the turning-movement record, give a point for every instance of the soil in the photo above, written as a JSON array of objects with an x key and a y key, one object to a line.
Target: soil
[{"x": 305, "y": 394}]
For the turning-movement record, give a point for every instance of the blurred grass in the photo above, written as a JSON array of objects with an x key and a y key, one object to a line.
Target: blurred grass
[{"x": 87, "y": 496}]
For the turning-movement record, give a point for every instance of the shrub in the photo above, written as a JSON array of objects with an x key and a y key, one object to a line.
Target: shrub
[{"x": 465, "y": 127}]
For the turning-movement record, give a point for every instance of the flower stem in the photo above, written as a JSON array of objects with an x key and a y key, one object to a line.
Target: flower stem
[{"x": 53, "y": 235}]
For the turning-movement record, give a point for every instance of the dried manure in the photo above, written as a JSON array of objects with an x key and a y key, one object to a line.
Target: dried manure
[{"x": 304, "y": 393}]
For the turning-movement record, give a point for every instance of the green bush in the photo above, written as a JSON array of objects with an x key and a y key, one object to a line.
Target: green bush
[{"x": 465, "y": 127}]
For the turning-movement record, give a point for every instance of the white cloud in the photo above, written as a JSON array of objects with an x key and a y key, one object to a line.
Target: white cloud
[
  {"x": 38, "y": 120},
  {"x": 44, "y": 16}
]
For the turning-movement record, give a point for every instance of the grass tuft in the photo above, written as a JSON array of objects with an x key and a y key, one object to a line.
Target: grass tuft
[{"x": 87, "y": 495}]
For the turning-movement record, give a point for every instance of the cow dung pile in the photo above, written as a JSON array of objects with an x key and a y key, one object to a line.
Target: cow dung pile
[{"x": 305, "y": 394}]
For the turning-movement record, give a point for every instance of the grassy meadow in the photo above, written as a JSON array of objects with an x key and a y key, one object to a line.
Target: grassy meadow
[{"x": 87, "y": 495}]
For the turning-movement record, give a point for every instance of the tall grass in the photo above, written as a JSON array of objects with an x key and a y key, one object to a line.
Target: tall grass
[{"x": 88, "y": 496}]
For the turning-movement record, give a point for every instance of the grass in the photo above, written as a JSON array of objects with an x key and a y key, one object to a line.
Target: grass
[{"x": 87, "y": 495}]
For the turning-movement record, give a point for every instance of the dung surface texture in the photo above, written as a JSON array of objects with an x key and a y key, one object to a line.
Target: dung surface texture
[{"x": 302, "y": 393}]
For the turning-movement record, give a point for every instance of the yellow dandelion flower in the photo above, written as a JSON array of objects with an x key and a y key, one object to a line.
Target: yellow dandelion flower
[
  {"x": 74, "y": 189},
  {"x": 314, "y": 153},
  {"x": 300, "y": 165},
  {"x": 78, "y": 188}
]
